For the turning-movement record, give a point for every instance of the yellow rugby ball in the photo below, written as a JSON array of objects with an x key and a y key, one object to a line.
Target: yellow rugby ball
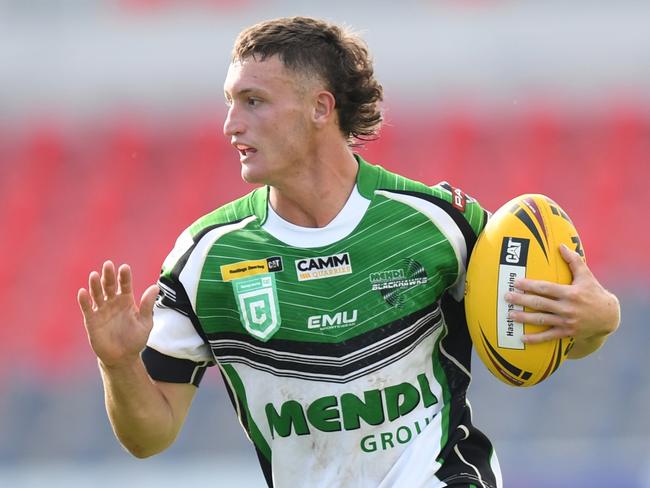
[{"x": 522, "y": 239}]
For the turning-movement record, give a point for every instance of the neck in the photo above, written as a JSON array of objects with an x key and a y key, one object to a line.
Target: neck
[{"x": 319, "y": 193}]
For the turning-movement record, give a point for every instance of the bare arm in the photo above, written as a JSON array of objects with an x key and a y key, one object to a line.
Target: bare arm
[
  {"x": 583, "y": 310},
  {"x": 146, "y": 415}
]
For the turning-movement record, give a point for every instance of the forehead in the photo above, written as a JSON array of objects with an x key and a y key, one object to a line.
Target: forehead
[{"x": 250, "y": 74}]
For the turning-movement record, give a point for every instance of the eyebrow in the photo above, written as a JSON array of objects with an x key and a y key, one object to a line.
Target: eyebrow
[{"x": 245, "y": 91}]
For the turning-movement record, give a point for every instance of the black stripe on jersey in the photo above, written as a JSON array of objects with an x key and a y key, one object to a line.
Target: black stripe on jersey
[
  {"x": 458, "y": 344},
  {"x": 266, "y": 468},
  {"x": 180, "y": 264},
  {"x": 463, "y": 438},
  {"x": 243, "y": 419},
  {"x": 486, "y": 217},
  {"x": 172, "y": 370},
  {"x": 172, "y": 292},
  {"x": 331, "y": 378},
  {"x": 454, "y": 213},
  {"x": 173, "y": 295},
  {"x": 467, "y": 458},
  {"x": 323, "y": 350},
  {"x": 336, "y": 363}
]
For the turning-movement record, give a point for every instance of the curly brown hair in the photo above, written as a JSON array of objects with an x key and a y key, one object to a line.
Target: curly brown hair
[{"x": 337, "y": 56}]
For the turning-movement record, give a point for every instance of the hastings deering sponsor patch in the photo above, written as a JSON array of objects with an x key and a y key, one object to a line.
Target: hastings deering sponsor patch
[{"x": 244, "y": 269}]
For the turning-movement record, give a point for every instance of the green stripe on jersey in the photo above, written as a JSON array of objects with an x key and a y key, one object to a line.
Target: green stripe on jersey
[
  {"x": 391, "y": 238},
  {"x": 253, "y": 431},
  {"x": 359, "y": 318},
  {"x": 441, "y": 378}
]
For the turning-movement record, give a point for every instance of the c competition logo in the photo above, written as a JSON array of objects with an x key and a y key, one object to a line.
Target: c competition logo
[{"x": 257, "y": 301}]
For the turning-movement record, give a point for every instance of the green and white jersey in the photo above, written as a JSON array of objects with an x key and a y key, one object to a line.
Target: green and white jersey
[{"x": 344, "y": 349}]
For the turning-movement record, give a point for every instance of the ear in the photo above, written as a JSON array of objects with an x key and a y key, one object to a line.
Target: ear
[{"x": 324, "y": 108}]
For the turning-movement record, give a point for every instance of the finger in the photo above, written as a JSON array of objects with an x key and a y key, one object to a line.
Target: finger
[
  {"x": 148, "y": 301},
  {"x": 535, "y": 302},
  {"x": 540, "y": 287},
  {"x": 125, "y": 280},
  {"x": 85, "y": 303},
  {"x": 95, "y": 288},
  {"x": 109, "y": 283},
  {"x": 537, "y": 318},
  {"x": 545, "y": 336},
  {"x": 576, "y": 263}
]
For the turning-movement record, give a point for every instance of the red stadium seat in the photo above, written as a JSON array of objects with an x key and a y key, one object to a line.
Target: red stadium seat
[{"x": 125, "y": 188}]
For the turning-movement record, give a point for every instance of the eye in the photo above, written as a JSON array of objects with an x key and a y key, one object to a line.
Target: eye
[
  {"x": 228, "y": 101},
  {"x": 253, "y": 102}
]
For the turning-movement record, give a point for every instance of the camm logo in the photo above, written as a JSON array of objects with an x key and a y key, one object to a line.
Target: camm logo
[{"x": 323, "y": 267}]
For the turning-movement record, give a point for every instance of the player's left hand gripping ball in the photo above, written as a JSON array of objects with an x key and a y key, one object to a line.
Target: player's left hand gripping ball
[
  {"x": 522, "y": 242},
  {"x": 583, "y": 310}
]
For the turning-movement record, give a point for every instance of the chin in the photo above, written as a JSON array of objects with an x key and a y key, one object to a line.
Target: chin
[{"x": 253, "y": 177}]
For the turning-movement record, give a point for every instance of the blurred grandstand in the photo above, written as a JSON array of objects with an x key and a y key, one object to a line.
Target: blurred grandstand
[{"x": 111, "y": 144}]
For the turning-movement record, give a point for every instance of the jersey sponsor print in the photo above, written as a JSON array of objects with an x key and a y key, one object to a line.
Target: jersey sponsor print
[{"x": 352, "y": 349}]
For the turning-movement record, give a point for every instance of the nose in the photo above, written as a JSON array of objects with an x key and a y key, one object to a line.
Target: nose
[{"x": 233, "y": 125}]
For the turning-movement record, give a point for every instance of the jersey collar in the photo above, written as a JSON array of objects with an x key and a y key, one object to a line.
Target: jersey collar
[
  {"x": 367, "y": 178},
  {"x": 367, "y": 181}
]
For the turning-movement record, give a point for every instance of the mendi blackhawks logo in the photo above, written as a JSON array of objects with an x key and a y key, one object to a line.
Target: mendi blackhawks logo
[{"x": 393, "y": 283}]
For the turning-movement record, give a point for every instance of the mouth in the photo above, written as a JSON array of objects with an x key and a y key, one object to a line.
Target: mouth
[{"x": 244, "y": 150}]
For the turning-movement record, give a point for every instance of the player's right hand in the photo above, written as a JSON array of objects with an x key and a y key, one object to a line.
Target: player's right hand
[{"x": 117, "y": 327}]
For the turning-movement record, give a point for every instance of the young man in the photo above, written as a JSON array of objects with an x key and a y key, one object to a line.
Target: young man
[{"x": 330, "y": 298}]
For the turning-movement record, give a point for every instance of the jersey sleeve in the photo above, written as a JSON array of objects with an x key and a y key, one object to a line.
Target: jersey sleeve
[
  {"x": 470, "y": 218},
  {"x": 177, "y": 350},
  {"x": 466, "y": 206}
]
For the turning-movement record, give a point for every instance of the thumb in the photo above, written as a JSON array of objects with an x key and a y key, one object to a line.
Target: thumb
[
  {"x": 147, "y": 302},
  {"x": 576, "y": 262}
]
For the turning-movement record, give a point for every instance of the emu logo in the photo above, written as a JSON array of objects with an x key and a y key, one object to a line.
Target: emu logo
[{"x": 339, "y": 319}]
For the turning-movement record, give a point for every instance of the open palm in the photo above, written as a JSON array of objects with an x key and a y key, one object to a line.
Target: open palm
[{"x": 117, "y": 327}]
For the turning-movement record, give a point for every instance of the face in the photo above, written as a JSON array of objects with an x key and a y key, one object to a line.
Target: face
[{"x": 268, "y": 119}]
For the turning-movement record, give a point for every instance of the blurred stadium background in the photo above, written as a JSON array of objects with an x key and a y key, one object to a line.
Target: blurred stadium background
[{"x": 111, "y": 143}]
